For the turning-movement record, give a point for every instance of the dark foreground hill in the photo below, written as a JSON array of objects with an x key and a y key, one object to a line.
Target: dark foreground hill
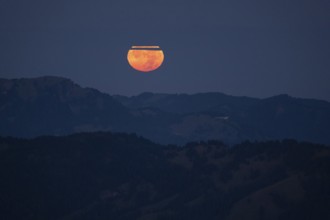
[
  {"x": 57, "y": 106},
  {"x": 120, "y": 176}
]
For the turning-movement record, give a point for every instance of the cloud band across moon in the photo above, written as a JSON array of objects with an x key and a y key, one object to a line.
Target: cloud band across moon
[{"x": 145, "y": 48}]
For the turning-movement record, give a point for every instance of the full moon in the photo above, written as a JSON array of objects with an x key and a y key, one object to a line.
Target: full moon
[{"x": 145, "y": 58}]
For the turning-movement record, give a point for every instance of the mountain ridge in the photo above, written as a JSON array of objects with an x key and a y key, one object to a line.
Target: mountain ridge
[{"x": 55, "y": 105}]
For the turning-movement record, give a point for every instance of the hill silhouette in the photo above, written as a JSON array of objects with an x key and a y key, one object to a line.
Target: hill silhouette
[{"x": 123, "y": 176}]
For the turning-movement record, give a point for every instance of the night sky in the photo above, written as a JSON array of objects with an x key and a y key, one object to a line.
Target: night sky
[{"x": 255, "y": 48}]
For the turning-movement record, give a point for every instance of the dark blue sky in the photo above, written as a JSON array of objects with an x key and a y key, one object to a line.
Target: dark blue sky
[{"x": 254, "y": 48}]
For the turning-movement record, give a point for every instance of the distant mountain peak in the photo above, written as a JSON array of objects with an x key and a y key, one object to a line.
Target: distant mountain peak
[{"x": 44, "y": 79}]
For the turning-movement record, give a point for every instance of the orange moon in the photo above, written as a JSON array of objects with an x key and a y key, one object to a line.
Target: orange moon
[{"x": 145, "y": 58}]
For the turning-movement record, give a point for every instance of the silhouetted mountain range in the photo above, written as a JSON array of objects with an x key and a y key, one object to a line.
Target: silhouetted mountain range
[
  {"x": 123, "y": 177},
  {"x": 57, "y": 106}
]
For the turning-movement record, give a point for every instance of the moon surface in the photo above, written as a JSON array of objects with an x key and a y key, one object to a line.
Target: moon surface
[{"x": 145, "y": 58}]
